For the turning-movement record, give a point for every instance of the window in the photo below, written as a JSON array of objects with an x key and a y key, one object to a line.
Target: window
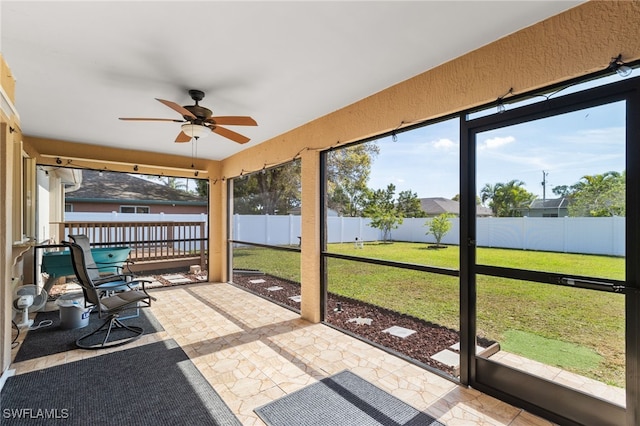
[
  {"x": 391, "y": 244},
  {"x": 135, "y": 209},
  {"x": 265, "y": 233}
]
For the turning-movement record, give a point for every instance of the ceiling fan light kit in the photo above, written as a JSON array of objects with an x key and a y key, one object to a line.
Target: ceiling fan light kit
[
  {"x": 195, "y": 130},
  {"x": 198, "y": 120}
]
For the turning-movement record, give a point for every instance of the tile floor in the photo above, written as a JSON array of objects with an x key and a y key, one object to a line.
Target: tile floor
[{"x": 253, "y": 351}]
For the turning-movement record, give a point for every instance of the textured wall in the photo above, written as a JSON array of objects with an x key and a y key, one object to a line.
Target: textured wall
[{"x": 7, "y": 253}]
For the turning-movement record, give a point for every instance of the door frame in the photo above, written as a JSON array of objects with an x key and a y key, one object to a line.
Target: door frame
[{"x": 551, "y": 400}]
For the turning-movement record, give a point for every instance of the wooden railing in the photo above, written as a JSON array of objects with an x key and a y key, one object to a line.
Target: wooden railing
[{"x": 149, "y": 241}]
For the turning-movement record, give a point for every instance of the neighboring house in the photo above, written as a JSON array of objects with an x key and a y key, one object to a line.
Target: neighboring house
[
  {"x": 435, "y": 206},
  {"x": 123, "y": 193},
  {"x": 556, "y": 207}
]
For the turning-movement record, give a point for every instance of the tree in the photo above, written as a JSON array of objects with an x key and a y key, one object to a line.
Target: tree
[
  {"x": 271, "y": 191},
  {"x": 382, "y": 210},
  {"x": 202, "y": 187},
  {"x": 599, "y": 195},
  {"x": 561, "y": 190},
  {"x": 457, "y": 198},
  {"x": 174, "y": 182},
  {"x": 487, "y": 192},
  {"x": 408, "y": 204},
  {"x": 181, "y": 184},
  {"x": 439, "y": 226},
  {"x": 507, "y": 199},
  {"x": 348, "y": 171}
]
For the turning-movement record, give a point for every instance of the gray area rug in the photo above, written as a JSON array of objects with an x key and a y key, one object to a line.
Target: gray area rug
[
  {"x": 344, "y": 399},
  {"x": 53, "y": 339},
  {"x": 154, "y": 385}
]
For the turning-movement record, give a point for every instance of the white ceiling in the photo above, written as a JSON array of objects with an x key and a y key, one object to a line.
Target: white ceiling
[{"x": 81, "y": 65}]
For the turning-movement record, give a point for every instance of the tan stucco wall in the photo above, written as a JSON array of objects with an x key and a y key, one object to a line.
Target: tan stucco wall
[
  {"x": 80, "y": 155},
  {"x": 218, "y": 216},
  {"x": 577, "y": 42},
  {"x": 310, "y": 233},
  {"x": 7, "y": 256}
]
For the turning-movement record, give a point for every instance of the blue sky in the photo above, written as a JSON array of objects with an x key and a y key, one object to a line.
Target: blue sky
[{"x": 567, "y": 147}]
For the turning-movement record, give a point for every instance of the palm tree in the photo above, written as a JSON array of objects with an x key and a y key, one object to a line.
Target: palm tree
[
  {"x": 507, "y": 199},
  {"x": 487, "y": 192}
]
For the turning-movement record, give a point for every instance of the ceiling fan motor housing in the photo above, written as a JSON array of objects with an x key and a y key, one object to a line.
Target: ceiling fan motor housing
[
  {"x": 200, "y": 112},
  {"x": 199, "y": 117},
  {"x": 196, "y": 95}
]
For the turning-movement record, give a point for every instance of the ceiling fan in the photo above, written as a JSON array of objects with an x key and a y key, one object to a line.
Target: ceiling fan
[{"x": 198, "y": 121}]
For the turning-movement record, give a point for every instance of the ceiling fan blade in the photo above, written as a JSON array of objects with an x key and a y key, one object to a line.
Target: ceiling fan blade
[
  {"x": 174, "y": 106},
  {"x": 183, "y": 137},
  {"x": 151, "y": 119},
  {"x": 230, "y": 134},
  {"x": 233, "y": 120}
]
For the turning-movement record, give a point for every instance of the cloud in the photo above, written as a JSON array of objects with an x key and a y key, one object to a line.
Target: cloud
[
  {"x": 496, "y": 142},
  {"x": 597, "y": 137},
  {"x": 443, "y": 144}
]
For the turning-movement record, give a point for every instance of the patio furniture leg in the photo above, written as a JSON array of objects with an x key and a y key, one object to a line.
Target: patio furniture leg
[{"x": 106, "y": 328}]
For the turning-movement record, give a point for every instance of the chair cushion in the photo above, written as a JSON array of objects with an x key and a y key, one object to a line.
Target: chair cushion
[{"x": 118, "y": 300}]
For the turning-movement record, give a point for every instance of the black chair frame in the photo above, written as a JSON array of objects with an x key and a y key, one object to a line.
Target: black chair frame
[{"x": 109, "y": 307}]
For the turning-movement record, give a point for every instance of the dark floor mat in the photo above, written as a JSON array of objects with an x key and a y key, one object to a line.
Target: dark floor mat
[
  {"x": 54, "y": 339},
  {"x": 154, "y": 384}
]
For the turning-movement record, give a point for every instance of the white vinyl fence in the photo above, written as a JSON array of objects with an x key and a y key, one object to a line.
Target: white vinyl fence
[
  {"x": 265, "y": 229},
  {"x": 589, "y": 235}
]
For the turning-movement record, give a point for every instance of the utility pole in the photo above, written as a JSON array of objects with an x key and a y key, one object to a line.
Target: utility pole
[{"x": 544, "y": 187}]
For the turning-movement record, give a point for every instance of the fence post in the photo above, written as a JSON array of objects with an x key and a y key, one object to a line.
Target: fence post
[
  {"x": 290, "y": 230},
  {"x": 267, "y": 236},
  {"x": 565, "y": 233}
]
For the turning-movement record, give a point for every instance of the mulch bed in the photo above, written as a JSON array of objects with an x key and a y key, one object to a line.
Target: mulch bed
[{"x": 428, "y": 340}]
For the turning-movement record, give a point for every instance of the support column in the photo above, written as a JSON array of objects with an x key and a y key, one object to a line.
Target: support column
[
  {"x": 310, "y": 232},
  {"x": 6, "y": 157},
  {"x": 218, "y": 250}
]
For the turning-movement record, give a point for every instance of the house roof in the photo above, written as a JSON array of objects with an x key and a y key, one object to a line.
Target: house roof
[
  {"x": 437, "y": 205},
  {"x": 118, "y": 187}
]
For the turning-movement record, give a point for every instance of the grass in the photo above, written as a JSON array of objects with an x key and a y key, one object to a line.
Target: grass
[
  {"x": 283, "y": 264},
  {"x": 552, "y": 352},
  {"x": 511, "y": 312}
]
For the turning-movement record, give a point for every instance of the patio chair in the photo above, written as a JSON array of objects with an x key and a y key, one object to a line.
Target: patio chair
[
  {"x": 109, "y": 307},
  {"x": 108, "y": 284}
]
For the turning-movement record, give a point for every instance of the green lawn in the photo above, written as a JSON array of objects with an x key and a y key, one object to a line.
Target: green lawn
[{"x": 587, "y": 324}]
